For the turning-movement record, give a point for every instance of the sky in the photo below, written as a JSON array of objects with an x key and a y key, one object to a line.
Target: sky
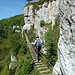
[{"x": 9, "y": 8}]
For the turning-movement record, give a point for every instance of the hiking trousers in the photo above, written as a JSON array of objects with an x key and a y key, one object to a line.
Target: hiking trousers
[{"x": 38, "y": 52}]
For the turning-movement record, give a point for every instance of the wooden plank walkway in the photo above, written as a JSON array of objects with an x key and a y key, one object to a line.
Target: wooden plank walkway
[{"x": 41, "y": 67}]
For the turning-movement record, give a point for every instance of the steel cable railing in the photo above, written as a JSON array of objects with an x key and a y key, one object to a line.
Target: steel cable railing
[
  {"x": 48, "y": 62},
  {"x": 42, "y": 56}
]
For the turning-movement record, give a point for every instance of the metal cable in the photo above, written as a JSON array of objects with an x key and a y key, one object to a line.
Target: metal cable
[{"x": 47, "y": 61}]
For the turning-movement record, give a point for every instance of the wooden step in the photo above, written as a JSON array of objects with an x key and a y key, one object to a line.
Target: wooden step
[
  {"x": 42, "y": 68},
  {"x": 44, "y": 71},
  {"x": 45, "y": 74},
  {"x": 40, "y": 65},
  {"x": 37, "y": 63}
]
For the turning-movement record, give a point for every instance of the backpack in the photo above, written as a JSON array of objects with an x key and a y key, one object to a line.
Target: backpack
[{"x": 38, "y": 43}]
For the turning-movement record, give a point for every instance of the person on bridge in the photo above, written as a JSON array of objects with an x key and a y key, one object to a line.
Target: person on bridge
[{"x": 38, "y": 44}]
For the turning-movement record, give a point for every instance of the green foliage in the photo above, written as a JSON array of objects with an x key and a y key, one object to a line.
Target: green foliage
[
  {"x": 49, "y": 0},
  {"x": 42, "y": 23},
  {"x": 35, "y": 72},
  {"x": 26, "y": 67},
  {"x": 40, "y": 2},
  {"x": 12, "y": 71},
  {"x": 5, "y": 71},
  {"x": 51, "y": 41},
  {"x": 23, "y": 49},
  {"x": 11, "y": 41},
  {"x": 6, "y": 47},
  {"x": 17, "y": 20},
  {"x": 31, "y": 34},
  {"x": 24, "y": 64},
  {"x": 36, "y": 5},
  {"x": 6, "y": 25}
]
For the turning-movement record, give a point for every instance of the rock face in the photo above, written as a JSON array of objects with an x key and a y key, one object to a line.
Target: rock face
[
  {"x": 12, "y": 64},
  {"x": 47, "y": 12},
  {"x": 66, "y": 45}
]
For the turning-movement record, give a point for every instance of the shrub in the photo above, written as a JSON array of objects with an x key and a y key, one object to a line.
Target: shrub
[
  {"x": 5, "y": 71},
  {"x": 42, "y": 23},
  {"x": 51, "y": 41},
  {"x": 26, "y": 67},
  {"x": 31, "y": 34}
]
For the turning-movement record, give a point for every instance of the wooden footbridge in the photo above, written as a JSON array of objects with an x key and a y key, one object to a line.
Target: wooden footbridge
[{"x": 40, "y": 66}]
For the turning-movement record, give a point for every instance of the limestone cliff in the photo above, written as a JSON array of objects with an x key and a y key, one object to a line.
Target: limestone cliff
[
  {"x": 66, "y": 45},
  {"x": 47, "y": 12}
]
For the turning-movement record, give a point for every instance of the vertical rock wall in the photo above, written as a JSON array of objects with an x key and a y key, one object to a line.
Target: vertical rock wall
[
  {"x": 47, "y": 12},
  {"x": 66, "y": 45}
]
